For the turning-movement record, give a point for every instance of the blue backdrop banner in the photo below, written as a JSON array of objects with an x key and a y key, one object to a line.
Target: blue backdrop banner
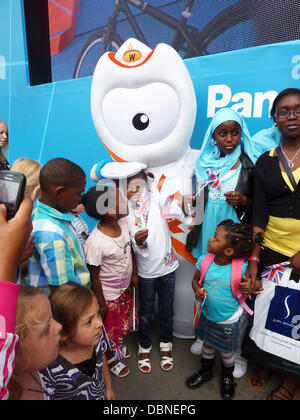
[{"x": 54, "y": 119}]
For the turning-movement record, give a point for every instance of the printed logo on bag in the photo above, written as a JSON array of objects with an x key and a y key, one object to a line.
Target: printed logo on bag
[{"x": 282, "y": 317}]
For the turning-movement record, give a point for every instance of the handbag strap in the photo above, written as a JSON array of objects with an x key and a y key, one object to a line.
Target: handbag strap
[{"x": 286, "y": 167}]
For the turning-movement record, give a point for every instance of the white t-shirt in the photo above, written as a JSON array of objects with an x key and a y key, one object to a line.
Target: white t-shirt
[
  {"x": 158, "y": 258},
  {"x": 114, "y": 257}
]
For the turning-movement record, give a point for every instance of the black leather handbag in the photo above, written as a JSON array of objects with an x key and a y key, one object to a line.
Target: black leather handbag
[{"x": 192, "y": 238}]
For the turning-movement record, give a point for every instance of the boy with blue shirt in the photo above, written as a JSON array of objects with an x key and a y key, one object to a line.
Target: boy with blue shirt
[{"x": 58, "y": 256}]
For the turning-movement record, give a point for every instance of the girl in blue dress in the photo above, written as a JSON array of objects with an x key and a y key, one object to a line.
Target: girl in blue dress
[{"x": 227, "y": 150}]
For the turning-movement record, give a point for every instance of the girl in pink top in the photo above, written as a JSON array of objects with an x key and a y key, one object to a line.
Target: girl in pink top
[{"x": 112, "y": 267}]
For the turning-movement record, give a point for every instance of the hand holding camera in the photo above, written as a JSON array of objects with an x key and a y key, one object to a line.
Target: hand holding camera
[{"x": 14, "y": 235}]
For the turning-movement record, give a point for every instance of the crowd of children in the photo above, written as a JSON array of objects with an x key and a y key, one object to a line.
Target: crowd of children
[{"x": 72, "y": 342}]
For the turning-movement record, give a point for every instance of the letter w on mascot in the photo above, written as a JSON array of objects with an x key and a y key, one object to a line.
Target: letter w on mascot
[{"x": 143, "y": 107}]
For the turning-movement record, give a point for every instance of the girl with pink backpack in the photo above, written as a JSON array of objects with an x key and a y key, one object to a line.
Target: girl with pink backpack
[{"x": 220, "y": 286}]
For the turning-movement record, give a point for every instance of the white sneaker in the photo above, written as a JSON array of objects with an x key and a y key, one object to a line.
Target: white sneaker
[
  {"x": 240, "y": 367},
  {"x": 196, "y": 347}
]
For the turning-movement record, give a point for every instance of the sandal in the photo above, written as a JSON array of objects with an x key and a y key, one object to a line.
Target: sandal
[
  {"x": 117, "y": 368},
  {"x": 282, "y": 394},
  {"x": 258, "y": 379},
  {"x": 144, "y": 365},
  {"x": 166, "y": 362}
]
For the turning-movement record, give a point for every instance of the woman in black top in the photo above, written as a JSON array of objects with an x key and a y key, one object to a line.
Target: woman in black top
[
  {"x": 4, "y": 165},
  {"x": 276, "y": 214}
]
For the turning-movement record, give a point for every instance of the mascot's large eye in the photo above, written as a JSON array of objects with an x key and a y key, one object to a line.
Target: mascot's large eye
[
  {"x": 140, "y": 121},
  {"x": 138, "y": 116}
]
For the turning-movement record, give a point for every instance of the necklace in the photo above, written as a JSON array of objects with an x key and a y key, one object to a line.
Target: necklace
[
  {"x": 290, "y": 161},
  {"x": 122, "y": 246},
  {"x": 41, "y": 390}
]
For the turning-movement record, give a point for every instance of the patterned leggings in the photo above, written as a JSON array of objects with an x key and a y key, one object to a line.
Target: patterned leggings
[{"x": 210, "y": 353}]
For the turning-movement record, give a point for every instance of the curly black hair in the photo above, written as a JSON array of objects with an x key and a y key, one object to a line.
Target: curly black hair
[
  {"x": 60, "y": 172},
  {"x": 241, "y": 238}
]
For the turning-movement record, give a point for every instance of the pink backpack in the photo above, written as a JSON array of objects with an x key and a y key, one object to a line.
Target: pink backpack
[{"x": 236, "y": 277}]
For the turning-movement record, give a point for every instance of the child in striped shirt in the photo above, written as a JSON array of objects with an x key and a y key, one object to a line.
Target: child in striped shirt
[
  {"x": 80, "y": 372},
  {"x": 59, "y": 256}
]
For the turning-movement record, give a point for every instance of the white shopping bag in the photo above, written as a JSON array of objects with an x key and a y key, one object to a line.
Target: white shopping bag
[{"x": 276, "y": 327}]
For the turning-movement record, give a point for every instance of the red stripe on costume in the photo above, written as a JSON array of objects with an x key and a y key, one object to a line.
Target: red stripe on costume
[
  {"x": 113, "y": 155},
  {"x": 174, "y": 226},
  {"x": 111, "y": 55},
  {"x": 180, "y": 249},
  {"x": 161, "y": 182}
]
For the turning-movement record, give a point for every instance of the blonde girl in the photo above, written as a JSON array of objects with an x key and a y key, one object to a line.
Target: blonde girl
[
  {"x": 4, "y": 146},
  {"x": 31, "y": 169},
  {"x": 38, "y": 344}
]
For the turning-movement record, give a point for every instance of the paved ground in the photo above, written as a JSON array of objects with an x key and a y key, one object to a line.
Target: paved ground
[{"x": 159, "y": 385}]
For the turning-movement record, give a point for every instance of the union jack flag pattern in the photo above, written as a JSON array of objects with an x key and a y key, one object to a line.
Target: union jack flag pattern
[
  {"x": 166, "y": 209},
  {"x": 275, "y": 272},
  {"x": 214, "y": 180},
  {"x": 119, "y": 350},
  {"x": 143, "y": 205}
]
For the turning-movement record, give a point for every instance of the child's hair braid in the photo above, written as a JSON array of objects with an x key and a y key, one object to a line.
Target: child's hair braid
[{"x": 241, "y": 238}]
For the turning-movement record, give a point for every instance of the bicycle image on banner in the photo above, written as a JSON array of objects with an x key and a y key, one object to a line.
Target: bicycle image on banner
[{"x": 82, "y": 30}]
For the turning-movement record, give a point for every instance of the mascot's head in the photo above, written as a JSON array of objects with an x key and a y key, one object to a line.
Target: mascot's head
[{"x": 143, "y": 103}]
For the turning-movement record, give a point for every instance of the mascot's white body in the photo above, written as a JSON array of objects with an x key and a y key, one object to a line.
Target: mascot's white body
[{"x": 144, "y": 109}]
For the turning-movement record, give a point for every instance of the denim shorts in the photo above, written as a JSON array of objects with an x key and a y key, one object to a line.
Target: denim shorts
[{"x": 221, "y": 337}]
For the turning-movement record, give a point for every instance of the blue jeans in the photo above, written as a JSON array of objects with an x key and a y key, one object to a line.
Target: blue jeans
[{"x": 164, "y": 287}]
